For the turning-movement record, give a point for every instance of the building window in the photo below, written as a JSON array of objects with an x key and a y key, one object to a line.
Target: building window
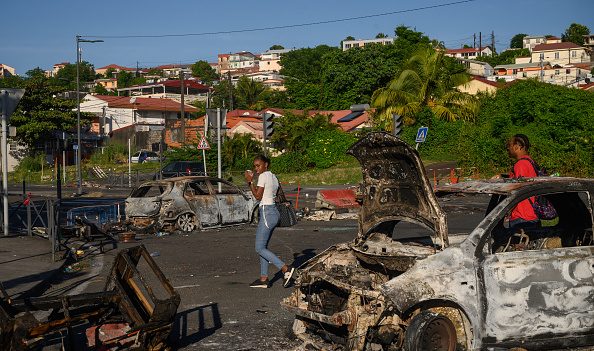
[
  {"x": 556, "y": 56},
  {"x": 348, "y": 46},
  {"x": 574, "y": 54},
  {"x": 542, "y": 56},
  {"x": 524, "y": 75},
  {"x": 13, "y": 146},
  {"x": 568, "y": 71},
  {"x": 515, "y": 71},
  {"x": 556, "y": 72}
]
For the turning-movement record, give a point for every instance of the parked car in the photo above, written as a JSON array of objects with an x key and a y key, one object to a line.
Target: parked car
[
  {"x": 181, "y": 168},
  {"x": 406, "y": 283},
  {"x": 188, "y": 204},
  {"x": 144, "y": 156}
]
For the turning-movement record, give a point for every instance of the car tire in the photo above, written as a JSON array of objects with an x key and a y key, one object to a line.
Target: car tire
[
  {"x": 186, "y": 222},
  {"x": 430, "y": 331}
]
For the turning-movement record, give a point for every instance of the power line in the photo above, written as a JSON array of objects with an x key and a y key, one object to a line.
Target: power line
[{"x": 280, "y": 27}]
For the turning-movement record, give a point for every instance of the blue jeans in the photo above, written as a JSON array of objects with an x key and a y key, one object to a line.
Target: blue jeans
[{"x": 268, "y": 220}]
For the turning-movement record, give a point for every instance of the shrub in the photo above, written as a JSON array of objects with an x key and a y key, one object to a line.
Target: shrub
[
  {"x": 325, "y": 148},
  {"x": 289, "y": 162}
]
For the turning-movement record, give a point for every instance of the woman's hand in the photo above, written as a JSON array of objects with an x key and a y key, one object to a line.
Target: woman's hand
[{"x": 248, "y": 175}]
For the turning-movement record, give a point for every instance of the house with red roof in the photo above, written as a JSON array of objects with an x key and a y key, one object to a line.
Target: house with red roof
[
  {"x": 469, "y": 53},
  {"x": 115, "y": 68},
  {"x": 139, "y": 118}
]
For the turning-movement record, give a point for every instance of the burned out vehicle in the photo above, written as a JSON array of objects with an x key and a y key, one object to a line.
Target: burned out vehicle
[
  {"x": 135, "y": 311},
  {"x": 393, "y": 289},
  {"x": 189, "y": 203}
]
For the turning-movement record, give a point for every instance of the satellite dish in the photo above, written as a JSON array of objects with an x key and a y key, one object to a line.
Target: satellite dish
[{"x": 133, "y": 100}]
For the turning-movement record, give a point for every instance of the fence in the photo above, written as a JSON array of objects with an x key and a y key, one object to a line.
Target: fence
[{"x": 99, "y": 215}]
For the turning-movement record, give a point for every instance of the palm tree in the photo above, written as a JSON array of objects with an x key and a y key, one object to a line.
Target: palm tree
[
  {"x": 249, "y": 92},
  {"x": 424, "y": 82}
]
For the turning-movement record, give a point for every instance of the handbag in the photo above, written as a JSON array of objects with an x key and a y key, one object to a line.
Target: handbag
[{"x": 287, "y": 215}]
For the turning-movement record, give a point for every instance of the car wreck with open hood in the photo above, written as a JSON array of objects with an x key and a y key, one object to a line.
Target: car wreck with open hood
[{"x": 391, "y": 289}]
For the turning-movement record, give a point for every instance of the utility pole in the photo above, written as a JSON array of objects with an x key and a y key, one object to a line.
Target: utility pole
[
  {"x": 541, "y": 68},
  {"x": 480, "y": 41},
  {"x": 230, "y": 91},
  {"x": 474, "y": 40},
  {"x": 182, "y": 110},
  {"x": 493, "y": 41},
  {"x": 137, "y": 73}
]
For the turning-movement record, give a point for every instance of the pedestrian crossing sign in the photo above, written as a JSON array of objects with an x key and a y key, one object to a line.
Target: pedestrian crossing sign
[
  {"x": 203, "y": 144},
  {"x": 422, "y": 134}
]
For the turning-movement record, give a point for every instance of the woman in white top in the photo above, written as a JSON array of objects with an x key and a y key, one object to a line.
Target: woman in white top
[{"x": 265, "y": 192}]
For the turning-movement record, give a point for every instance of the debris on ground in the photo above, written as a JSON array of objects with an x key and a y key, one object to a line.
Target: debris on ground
[{"x": 136, "y": 310}]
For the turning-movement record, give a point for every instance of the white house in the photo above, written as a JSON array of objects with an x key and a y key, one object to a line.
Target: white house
[
  {"x": 562, "y": 53},
  {"x": 469, "y": 53},
  {"x": 358, "y": 43}
]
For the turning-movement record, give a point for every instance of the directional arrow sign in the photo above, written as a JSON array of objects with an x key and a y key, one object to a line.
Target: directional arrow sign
[{"x": 10, "y": 98}]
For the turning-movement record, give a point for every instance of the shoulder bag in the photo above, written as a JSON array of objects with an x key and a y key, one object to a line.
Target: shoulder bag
[{"x": 287, "y": 216}]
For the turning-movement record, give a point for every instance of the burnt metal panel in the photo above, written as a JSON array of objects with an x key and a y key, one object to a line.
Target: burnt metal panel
[{"x": 395, "y": 185}]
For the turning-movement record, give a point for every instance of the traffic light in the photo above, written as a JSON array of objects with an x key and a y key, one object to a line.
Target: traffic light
[
  {"x": 268, "y": 125},
  {"x": 397, "y": 125}
]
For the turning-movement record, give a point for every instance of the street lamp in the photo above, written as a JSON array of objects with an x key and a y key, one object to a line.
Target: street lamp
[{"x": 79, "y": 40}]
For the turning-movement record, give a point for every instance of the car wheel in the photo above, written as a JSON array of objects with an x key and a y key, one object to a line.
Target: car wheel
[
  {"x": 186, "y": 222},
  {"x": 430, "y": 331}
]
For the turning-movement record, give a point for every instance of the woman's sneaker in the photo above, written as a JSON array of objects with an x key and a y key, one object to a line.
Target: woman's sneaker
[
  {"x": 260, "y": 284},
  {"x": 289, "y": 276}
]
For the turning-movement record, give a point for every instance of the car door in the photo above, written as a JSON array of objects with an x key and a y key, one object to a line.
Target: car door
[
  {"x": 544, "y": 292},
  {"x": 204, "y": 204},
  {"x": 233, "y": 204}
]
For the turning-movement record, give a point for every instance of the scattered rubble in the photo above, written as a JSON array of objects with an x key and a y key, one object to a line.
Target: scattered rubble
[{"x": 135, "y": 311}]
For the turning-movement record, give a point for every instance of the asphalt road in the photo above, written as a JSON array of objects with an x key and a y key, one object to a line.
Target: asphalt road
[{"x": 212, "y": 270}]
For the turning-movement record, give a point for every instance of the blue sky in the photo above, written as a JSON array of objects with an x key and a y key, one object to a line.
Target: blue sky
[{"x": 40, "y": 33}]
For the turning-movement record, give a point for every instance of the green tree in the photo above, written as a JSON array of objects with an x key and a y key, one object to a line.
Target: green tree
[
  {"x": 127, "y": 79},
  {"x": 100, "y": 89},
  {"x": 204, "y": 71},
  {"x": 249, "y": 93},
  {"x": 239, "y": 151},
  {"x": 380, "y": 35},
  {"x": 575, "y": 33},
  {"x": 41, "y": 111},
  {"x": 517, "y": 41},
  {"x": 277, "y": 47},
  {"x": 428, "y": 79},
  {"x": 505, "y": 58},
  {"x": 66, "y": 76},
  {"x": 221, "y": 96},
  {"x": 557, "y": 119},
  {"x": 109, "y": 72},
  {"x": 291, "y": 131}
]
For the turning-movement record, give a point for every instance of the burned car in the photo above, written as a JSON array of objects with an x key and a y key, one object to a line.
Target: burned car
[
  {"x": 390, "y": 289},
  {"x": 189, "y": 203}
]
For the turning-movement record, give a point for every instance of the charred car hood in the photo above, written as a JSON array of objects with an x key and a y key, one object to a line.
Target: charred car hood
[{"x": 395, "y": 186}]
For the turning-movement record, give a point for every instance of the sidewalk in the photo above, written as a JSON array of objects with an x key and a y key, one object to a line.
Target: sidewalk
[{"x": 25, "y": 264}]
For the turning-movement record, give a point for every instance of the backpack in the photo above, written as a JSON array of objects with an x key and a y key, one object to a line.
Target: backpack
[{"x": 541, "y": 205}]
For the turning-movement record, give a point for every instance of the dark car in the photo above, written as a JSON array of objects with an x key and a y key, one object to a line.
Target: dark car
[{"x": 181, "y": 168}]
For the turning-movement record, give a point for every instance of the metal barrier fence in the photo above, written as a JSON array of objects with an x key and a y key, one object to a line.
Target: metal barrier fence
[{"x": 99, "y": 215}]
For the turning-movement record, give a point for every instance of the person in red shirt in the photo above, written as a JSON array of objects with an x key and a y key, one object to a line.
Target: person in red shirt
[
  {"x": 522, "y": 216},
  {"x": 517, "y": 149}
]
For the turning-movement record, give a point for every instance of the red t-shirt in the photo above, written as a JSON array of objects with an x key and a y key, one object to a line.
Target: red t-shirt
[{"x": 523, "y": 168}]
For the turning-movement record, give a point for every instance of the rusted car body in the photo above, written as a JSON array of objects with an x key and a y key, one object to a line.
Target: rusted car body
[
  {"x": 189, "y": 203},
  {"x": 138, "y": 301},
  {"x": 386, "y": 290}
]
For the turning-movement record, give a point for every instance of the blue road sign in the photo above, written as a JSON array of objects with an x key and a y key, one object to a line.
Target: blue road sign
[{"x": 422, "y": 134}]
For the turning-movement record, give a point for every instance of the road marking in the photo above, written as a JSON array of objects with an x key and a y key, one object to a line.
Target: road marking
[{"x": 186, "y": 286}]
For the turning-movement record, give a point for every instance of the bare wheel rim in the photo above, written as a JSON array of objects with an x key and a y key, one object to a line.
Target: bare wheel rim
[
  {"x": 439, "y": 335},
  {"x": 186, "y": 222}
]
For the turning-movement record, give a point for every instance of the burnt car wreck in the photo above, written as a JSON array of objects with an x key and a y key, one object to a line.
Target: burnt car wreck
[
  {"x": 135, "y": 311},
  {"x": 187, "y": 204},
  {"x": 392, "y": 289}
]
